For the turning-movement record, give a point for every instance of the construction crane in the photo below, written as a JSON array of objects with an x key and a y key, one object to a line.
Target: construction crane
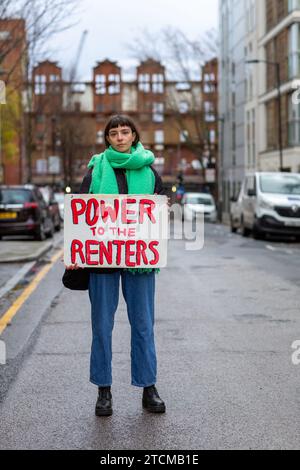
[
  {"x": 70, "y": 90},
  {"x": 74, "y": 67}
]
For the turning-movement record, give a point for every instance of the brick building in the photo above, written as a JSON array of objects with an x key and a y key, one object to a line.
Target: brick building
[
  {"x": 13, "y": 56},
  {"x": 282, "y": 45},
  {"x": 177, "y": 121}
]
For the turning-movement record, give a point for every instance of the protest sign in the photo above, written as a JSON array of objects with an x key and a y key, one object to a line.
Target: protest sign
[{"x": 124, "y": 231}]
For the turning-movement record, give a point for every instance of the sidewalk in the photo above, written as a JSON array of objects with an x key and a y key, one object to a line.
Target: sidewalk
[{"x": 13, "y": 251}]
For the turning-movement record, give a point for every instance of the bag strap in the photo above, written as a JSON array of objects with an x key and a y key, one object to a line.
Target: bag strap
[{"x": 86, "y": 183}]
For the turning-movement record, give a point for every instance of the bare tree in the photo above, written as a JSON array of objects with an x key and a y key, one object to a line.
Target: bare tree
[
  {"x": 43, "y": 19},
  {"x": 184, "y": 59},
  {"x": 28, "y": 42}
]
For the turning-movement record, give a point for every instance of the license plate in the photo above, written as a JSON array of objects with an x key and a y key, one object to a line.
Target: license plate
[
  {"x": 8, "y": 215},
  {"x": 292, "y": 223}
]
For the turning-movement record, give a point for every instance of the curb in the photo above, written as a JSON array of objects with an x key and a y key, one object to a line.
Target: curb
[{"x": 25, "y": 258}]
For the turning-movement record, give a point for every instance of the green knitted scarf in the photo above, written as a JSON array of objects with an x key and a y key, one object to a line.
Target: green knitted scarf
[{"x": 140, "y": 178}]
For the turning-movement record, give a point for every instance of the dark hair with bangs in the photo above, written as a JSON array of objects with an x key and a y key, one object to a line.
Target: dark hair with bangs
[{"x": 121, "y": 120}]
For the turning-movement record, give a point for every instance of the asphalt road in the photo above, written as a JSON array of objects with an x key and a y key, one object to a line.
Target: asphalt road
[{"x": 226, "y": 317}]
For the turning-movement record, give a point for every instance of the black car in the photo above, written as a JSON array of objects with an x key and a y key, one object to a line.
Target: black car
[
  {"x": 48, "y": 195},
  {"x": 23, "y": 211}
]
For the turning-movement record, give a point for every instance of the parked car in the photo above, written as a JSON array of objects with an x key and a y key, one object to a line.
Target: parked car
[
  {"x": 199, "y": 203},
  {"x": 48, "y": 195},
  {"x": 60, "y": 198},
  {"x": 268, "y": 203},
  {"x": 235, "y": 212},
  {"x": 23, "y": 211}
]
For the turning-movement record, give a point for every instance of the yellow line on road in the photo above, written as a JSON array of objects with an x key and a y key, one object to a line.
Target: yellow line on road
[{"x": 11, "y": 312}]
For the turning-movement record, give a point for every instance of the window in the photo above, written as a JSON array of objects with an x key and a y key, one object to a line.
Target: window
[
  {"x": 212, "y": 136},
  {"x": 40, "y": 84},
  {"x": 294, "y": 123},
  {"x": 54, "y": 87},
  {"x": 183, "y": 136},
  {"x": 157, "y": 83},
  {"x": 41, "y": 166},
  {"x": 159, "y": 137},
  {"x": 100, "y": 108},
  {"x": 114, "y": 84},
  {"x": 250, "y": 15},
  {"x": 100, "y": 81},
  {"x": 40, "y": 118},
  {"x": 253, "y": 139},
  {"x": 158, "y": 112},
  {"x": 208, "y": 107},
  {"x": 209, "y": 110},
  {"x": 99, "y": 137},
  {"x": 4, "y": 35},
  {"x": 280, "y": 184},
  {"x": 209, "y": 88},
  {"x": 144, "y": 82},
  {"x": 294, "y": 5},
  {"x": 294, "y": 50},
  {"x": 248, "y": 139},
  {"x": 183, "y": 107},
  {"x": 15, "y": 196}
]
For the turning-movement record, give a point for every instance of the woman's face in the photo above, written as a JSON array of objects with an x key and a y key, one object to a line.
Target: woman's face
[{"x": 121, "y": 138}]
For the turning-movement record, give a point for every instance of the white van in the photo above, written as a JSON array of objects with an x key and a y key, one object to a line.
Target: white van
[
  {"x": 195, "y": 204},
  {"x": 268, "y": 203}
]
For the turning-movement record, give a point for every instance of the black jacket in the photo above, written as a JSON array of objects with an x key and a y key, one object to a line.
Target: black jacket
[
  {"x": 123, "y": 189},
  {"x": 122, "y": 182}
]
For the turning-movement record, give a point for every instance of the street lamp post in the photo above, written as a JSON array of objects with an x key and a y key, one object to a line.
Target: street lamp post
[{"x": 278, "y": 84}]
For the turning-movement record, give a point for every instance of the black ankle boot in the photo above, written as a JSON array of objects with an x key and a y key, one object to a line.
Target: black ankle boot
[
  {"x": 104, "y": 402},
  {"x": 152, "y": 401}
]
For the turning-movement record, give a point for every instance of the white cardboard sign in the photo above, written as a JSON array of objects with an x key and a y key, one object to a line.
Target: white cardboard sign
[{"x": 125, "y": 231}]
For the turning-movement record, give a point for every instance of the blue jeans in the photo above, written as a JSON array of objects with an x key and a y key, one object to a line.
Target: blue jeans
[{"x": 138, "y": 291}]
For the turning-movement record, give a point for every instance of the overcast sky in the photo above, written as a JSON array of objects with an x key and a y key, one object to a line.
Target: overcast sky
[{"x": 112, "y": 25}]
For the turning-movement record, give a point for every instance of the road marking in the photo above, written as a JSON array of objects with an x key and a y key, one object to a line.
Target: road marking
[
  {"x": 270, "y": 247},
  {"x": 11, "y": 312},
  {"x": 281, "y": 249}
]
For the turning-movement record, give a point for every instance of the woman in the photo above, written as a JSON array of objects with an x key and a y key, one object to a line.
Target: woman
[{"x": 123, "y": 168}]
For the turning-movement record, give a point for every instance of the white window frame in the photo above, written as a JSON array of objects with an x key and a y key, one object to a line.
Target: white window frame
[
  {"x": 114, "y": 84},
  {"x": 157, "y": 83},
  {"x": 40, "y": 84},
  {"x": 159, "y": 136},
  {"x": 144, "y": 82},
  {"x": 158, "y": 112},
  {"x": 100, "y": 84},
  {"x": 183, "y": 135}
]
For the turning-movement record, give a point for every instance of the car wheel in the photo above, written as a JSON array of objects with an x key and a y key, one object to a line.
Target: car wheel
[
  {"x": 257, "y": 234},
  {"x": 58, "y": 225},
  {"x": 40, "y": 233},
  {"x": 244, "y": 230},
  {"x": 50, "y": 233},
  {"x": 232, "y": 228}
]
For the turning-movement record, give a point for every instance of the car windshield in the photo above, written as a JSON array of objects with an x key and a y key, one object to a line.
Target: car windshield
[
  {"x": 46, "y": 194},
  {"x": 15, "y": 196},
  {"x": 207, "y": 201},
  {"x": 280, "y": 184}
]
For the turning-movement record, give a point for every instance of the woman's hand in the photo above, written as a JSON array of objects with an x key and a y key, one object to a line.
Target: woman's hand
[{"x": 72, "y": 266}]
